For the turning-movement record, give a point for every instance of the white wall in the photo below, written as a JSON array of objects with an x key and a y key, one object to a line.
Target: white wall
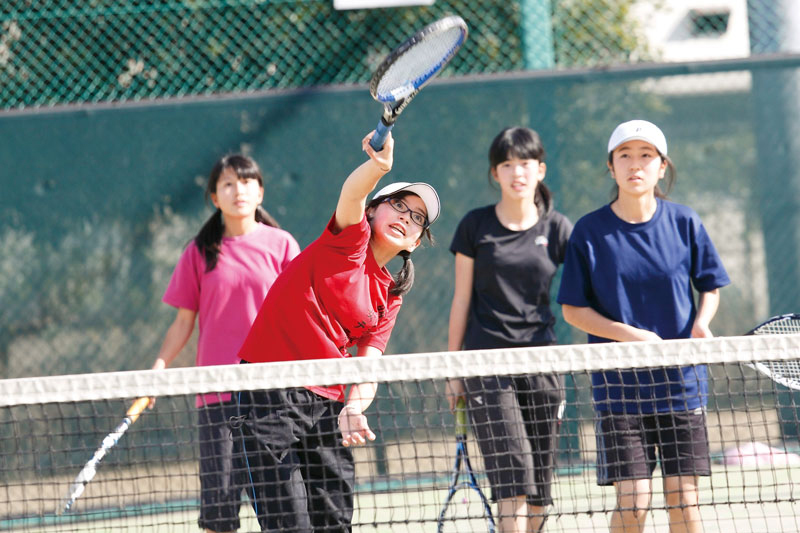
[{"x": 668, "y": 27}]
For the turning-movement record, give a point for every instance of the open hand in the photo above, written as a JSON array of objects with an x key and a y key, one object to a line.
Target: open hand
[{"x": 354, "y": 427}]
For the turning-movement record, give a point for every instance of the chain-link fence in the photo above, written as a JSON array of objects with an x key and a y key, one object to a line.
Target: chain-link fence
[
  {"x": 97, "y": 206},
  {"x": 98, "y": 200},
  {"x": 64, "y": 51}
]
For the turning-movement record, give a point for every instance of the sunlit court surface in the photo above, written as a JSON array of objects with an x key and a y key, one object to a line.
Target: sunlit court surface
[{"x": 764, "y": 496}]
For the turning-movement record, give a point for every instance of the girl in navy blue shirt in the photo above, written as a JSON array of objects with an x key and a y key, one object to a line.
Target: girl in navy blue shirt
[{"x": 629, "y": 274}]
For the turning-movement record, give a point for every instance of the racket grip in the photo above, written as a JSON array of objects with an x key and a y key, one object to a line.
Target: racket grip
[
  {"x": 461, "y": 417},
  {"x": 379, "y": 138},
  {"x": 136, "y": 409}
]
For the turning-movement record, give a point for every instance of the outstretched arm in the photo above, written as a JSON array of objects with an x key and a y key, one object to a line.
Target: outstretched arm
[{"x": 360, "y": 182}]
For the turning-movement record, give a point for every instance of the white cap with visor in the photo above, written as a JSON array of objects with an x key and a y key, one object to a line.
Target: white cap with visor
[
  {"x": 426, "y": 192},
  {"x": 638, "y": 130}
]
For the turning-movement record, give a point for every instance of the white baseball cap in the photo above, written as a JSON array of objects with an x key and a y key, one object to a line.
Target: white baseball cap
[
  {"x": 428, "y": 194},
  {"x": 638, "y": 130}
]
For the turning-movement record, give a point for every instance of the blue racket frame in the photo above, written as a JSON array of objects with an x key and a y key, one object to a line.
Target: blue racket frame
[
  {"x": 471, "y": 483},
  {"x": 399, "y": 97}
]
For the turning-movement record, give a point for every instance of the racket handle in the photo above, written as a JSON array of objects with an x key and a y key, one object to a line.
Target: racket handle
[
  {"x": 461, "y": 417},
  {"x": 379, "y": 138},
  {"x": 136, "y": 409}
]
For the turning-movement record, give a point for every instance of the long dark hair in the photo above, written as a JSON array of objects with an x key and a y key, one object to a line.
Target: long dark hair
[
  {"x": 209, "y": 239},
  {"x": 521, "y": 143},
  {"x": 670, "y": 177},
  {"x": 404, "y": 278}
]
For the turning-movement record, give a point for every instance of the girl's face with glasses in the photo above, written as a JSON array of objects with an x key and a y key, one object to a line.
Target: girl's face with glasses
[
  {"x": 417, "y": 217},
  {"x": 400, "y": 221}
]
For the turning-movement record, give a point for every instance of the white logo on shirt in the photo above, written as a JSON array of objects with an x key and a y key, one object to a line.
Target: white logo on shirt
[{"x": 541, "y": 240}]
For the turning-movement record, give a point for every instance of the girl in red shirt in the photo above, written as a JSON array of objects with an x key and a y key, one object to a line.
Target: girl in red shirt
[{"x": 335, "y": 295}]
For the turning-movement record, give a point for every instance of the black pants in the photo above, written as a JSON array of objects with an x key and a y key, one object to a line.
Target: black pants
[
  {"x": 302, "y": 477},
  {"x": 516, "y": 421},
  {"x": 220, "y": 480}
]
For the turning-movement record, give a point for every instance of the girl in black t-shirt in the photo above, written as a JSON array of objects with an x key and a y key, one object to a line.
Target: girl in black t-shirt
[{"x": 506, "y": 256}]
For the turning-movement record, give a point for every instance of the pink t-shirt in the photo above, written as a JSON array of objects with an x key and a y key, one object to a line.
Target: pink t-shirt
[
  {"x": 333, "y": 296},
  {"x": 228, "y": 298}
]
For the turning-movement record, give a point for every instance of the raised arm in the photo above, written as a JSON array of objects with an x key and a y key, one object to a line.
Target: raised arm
[{"x": 360, "y": 182}]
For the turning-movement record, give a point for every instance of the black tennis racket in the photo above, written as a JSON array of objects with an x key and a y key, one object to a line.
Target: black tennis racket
[
  {"x": 90, "y": 469},
  {"x": 467, "y": 510},
  {"x": 786, "y": 372},
  {"x": 410, "y": 66}
]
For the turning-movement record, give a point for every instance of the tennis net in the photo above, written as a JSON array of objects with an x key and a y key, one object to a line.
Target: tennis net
[{"x": 50, "y": 427}]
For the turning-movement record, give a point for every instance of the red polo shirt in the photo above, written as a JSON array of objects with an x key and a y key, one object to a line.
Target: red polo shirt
[{"x": 330, "y": 297}]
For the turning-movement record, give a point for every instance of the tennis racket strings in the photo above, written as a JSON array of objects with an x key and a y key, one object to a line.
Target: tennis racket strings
[
  {"x": 782, "y": 325},
  {"x": 785, "y": 372},
  {"x": 418, "y": 64},
  {"x": 465, "y": 513}
]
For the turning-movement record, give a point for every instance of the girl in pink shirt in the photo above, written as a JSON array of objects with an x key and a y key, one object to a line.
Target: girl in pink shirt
[{"x": 221, "y": 279}]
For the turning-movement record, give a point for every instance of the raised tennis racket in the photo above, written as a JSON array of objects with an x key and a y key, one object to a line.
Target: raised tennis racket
[
  {"x": 410, "y": 66},
  {"x": 465, "y": 508},
  {"x": 90, "y": 469},
  {"x": 786, "y": 372}
]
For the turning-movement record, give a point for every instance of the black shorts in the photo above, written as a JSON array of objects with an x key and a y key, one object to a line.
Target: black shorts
[
  {"x": 301, "y": 477},
  {"x": 515, "y": 421},
  {"x": 630, "y": 445},
  {"x": 220, "y": 486}
]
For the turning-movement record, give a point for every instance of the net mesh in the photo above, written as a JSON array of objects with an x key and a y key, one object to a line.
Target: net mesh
[{"x": 50, "y": 427}]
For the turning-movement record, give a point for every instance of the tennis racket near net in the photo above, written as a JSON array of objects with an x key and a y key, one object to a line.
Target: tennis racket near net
[
  {"x": 465, "y": 508},
  {"x": 410, "y": 66},
  {"x": 786, "y": 372},
  {"x": 90, "y": 469}
]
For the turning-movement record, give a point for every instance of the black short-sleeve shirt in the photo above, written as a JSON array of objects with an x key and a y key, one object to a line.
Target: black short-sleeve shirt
[{"x": 513, "y": 271}]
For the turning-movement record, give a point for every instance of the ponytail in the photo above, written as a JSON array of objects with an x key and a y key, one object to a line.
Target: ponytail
[
  {"x": 404, "y": 278},
  {"x": 209, "y": 239},
  {"x": 265, "y": 218},
  {"x": 543, "y": 199},
  {"x": 521, "y": 143}
]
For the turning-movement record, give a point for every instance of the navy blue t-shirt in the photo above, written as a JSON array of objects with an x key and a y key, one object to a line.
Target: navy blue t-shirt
[
  {"x": 513, "y": 272},
  {"x": 642, "y": 275}
]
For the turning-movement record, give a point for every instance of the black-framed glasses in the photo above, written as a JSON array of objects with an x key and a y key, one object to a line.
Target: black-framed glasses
[{"x": 401, "y": 207}]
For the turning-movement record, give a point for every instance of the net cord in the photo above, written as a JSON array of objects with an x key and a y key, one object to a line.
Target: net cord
[{"x": 407, "y": 367}]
